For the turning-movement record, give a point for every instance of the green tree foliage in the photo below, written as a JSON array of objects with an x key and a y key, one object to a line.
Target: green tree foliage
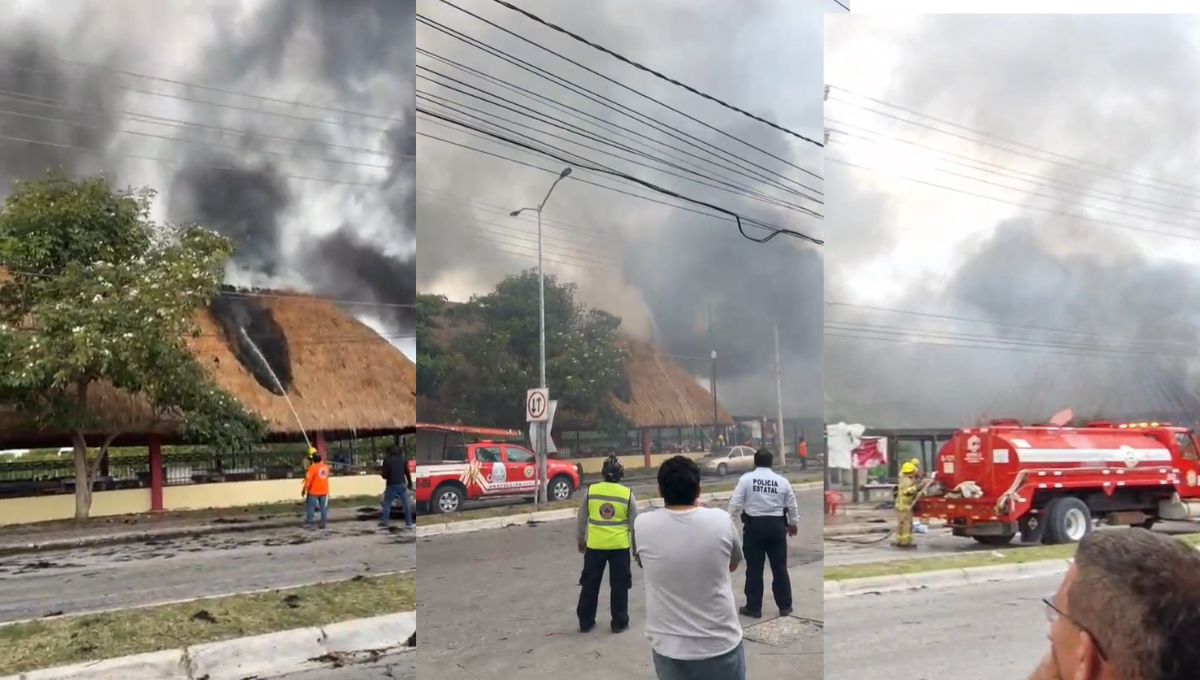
[
  {"x": 585, "y": 363},
  {"x": 434, "y": 363},
  {"x": 98, "y": 293}
]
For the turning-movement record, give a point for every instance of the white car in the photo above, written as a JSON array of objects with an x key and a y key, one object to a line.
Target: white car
[{"x": 728, "y": 459}]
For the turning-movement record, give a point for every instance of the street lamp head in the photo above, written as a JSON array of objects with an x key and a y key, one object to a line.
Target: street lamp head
[
  {"x": 515, "y": 213},
  {"x": 564, "y": 173}
]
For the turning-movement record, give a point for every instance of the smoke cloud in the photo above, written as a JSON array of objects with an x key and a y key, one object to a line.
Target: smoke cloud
[
  {"x": 1099, "y": 93},
  {"x": 317, "y": 199},
  {"x": 688, "y": 281}
]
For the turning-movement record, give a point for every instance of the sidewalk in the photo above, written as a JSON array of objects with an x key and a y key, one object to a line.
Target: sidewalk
[{"x": 775, "y": 648}]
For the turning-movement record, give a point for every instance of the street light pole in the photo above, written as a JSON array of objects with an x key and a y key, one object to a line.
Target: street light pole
[
  {"x": 542, "y": 434},
  {"x": 716, "y": 420}
]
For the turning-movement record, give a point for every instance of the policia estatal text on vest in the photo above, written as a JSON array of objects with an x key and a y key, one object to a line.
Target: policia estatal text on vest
[
  {"x": 605, "y": 537},
  {"x": 769, "y": 511}
]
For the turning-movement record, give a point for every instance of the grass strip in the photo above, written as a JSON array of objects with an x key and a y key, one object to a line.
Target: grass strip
[
  {"x": 507, "y": 510},
  {"x": 982, "y": 558},
  {"x": 75, "y": 639}
]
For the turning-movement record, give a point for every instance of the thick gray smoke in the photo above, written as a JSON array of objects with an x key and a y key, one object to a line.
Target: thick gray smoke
[
  {"x": 1097, "y": 89},
  {"x": 688, "y": 281},
  {"x": 316, "y": 199}
]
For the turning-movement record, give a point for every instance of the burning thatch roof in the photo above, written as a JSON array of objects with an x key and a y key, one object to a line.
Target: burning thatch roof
[
  {"x": 660, "y": 392},
  {"x": 338, "y": 373}
]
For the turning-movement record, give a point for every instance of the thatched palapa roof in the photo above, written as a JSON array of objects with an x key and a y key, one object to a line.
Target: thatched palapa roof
[
  {"x": 662, "y": 393},
  {"x": 343, "y": 375}
]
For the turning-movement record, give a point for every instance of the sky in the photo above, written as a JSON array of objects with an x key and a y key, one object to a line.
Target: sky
[
  {"x": 312, "y": 175},
  {"x": 1010, "y": 203},
  {"x": 660, "y": 268}
]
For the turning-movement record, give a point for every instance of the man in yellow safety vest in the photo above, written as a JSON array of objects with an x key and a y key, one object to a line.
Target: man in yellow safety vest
[{"x": 605, "y": 537}]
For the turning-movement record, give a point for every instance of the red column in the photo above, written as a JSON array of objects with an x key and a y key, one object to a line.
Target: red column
[
  {"x": 646, "y": 448},
  {"x": 156, "y": 474},
  {"x": 319, "y": 444}
]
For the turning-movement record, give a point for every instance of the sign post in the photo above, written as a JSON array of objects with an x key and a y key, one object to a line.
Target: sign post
[{"x": 537, "y": 412}]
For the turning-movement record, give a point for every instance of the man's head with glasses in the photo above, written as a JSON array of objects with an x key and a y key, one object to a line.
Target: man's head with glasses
[{"x": 1128, "y": 609}]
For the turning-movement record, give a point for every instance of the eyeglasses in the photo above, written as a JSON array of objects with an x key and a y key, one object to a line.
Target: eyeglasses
[{"x": 1053, "y": 613}]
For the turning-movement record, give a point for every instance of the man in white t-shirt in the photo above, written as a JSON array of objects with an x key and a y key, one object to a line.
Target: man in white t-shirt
[{"x": 688, "y": 553}]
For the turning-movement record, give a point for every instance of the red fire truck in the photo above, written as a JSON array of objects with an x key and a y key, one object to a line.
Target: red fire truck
[
  {"x": 1050, "y": 484},
  {"x": 456, "y": 463}
]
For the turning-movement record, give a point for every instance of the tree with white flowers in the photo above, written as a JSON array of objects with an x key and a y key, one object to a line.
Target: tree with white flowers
[{"x": 94, "y": 292}]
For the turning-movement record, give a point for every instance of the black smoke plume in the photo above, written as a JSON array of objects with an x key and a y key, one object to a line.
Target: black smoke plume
[{"x": 257, "y": 339}]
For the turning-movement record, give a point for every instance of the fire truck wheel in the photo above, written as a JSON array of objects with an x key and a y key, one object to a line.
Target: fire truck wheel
[
  {"x": 447, "y": 499},
  {"x": 1068, "y": 520}
]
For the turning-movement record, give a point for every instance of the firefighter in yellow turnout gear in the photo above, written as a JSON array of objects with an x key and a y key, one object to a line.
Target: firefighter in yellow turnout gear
[
  {"x": 907, "y": 489},
  {"x": 605, "y": 537}
]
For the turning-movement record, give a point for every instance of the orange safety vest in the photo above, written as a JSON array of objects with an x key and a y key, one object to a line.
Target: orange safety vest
[
  {"x": 316, "y": 480},
  {"x": 802, "y": 449}
]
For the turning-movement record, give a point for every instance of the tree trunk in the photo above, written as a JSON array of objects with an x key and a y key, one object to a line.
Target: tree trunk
[{"x": 83, "y": 479}]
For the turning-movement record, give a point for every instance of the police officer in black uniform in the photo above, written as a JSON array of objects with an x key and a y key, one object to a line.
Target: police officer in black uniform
[{"x": 769, "y": 511}]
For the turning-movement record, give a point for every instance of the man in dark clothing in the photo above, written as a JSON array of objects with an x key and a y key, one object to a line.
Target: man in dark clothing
[{"x": 397, "y": 483}]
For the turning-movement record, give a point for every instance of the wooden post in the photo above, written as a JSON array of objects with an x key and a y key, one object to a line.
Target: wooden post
[
  {"x": 646, "y": 461},
  {"x": 156, "y": 474},
  {"x": 319, "y": 445}
]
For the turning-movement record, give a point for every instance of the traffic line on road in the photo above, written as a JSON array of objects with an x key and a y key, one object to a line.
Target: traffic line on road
[{"x": 525, "y": 518}]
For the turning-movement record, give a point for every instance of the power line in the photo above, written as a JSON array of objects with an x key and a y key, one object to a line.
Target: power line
[
  {"x": 775, "y": 231},
  {"x": 839, "y": 4},
  {"x": 248, "y": 293},
  {"x": 736, "y": 189},
  {"x": 1074, "y": 163},
  {"x": 208, "y": 88},
  {"x": 1005, "y": 171},
  {"x": 1059, "y": 199},
  {"x": 607, "y": 102},
  {"x": 660, "y": 76},
  {"x": 1015, "y": 203},
  {"x": 155, "y": 93},
  {"x": 1003, "y": 326},
  {"x": 148, "y": 119},
  {"x": 499, "y": 210},
  {"x": 172, "y": 161},
  {"x": 608, "y": 126},
  {"x": 553, "y": 172},
  {"x": 237, "y": 147}
]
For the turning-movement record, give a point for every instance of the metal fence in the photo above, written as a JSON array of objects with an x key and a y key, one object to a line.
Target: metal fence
[{"x": 130, "y": 468}]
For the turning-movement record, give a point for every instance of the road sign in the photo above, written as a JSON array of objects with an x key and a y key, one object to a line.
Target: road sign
[
  {"x": 548, "y": 423},
  {"x": 537, "y": 405}
]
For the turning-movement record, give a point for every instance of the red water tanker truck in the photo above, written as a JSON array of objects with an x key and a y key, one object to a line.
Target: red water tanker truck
[{"x": 1052, "y": 484}]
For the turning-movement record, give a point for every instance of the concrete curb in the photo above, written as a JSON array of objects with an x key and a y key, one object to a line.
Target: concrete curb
[
  {"x": 529, "y": 518},
  {"x": 944, "y": 578},
  {"x": 270, "y": 655}
]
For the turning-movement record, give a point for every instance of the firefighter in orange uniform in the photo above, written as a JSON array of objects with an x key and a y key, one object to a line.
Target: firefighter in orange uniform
[
  {"x": 316, "y": 489},
  {"x": 907, "y": 489},
  {"x": 802, "y": 452}
]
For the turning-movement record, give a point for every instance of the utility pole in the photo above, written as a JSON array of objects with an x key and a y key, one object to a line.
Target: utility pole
[
  {"x": 542, "y": 434},
  {"x": 780, "y": 439},
  {"x": 716, "y": 420}
]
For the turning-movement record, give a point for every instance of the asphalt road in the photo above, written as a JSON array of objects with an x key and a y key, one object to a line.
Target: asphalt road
[
  {"x": 938, "y": 543},
  {"x": 995, "y": 631},
  {"x": 112, "y": 577},
  {"x": 495, "y": 602},
  {"x": 399, "y": 667}
]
